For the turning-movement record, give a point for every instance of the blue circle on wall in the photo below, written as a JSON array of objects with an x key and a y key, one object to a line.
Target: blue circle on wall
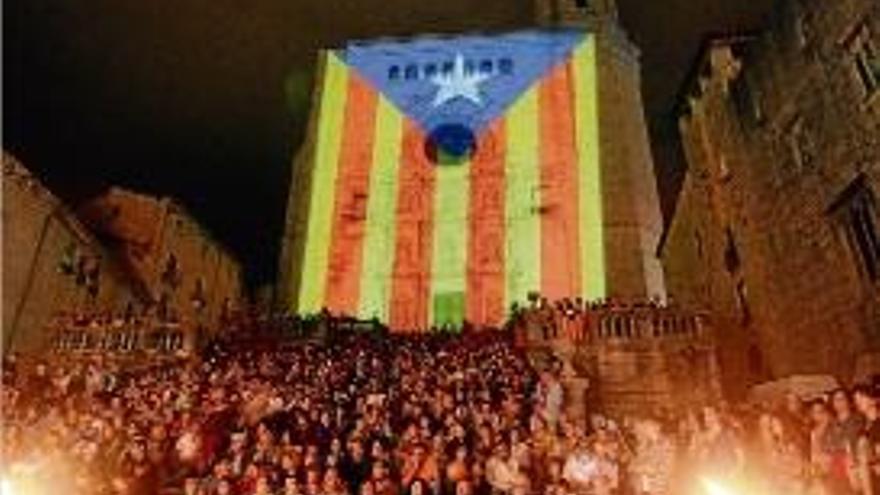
[{"x": 450, "y": 144}]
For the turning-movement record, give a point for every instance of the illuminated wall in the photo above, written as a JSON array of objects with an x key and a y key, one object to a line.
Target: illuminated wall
[{"x": 450, "y": 177}]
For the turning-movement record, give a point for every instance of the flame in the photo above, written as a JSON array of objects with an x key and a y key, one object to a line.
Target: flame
[
  {"x": 714, "y": 488},
  {"x": 7, "y": 487}
]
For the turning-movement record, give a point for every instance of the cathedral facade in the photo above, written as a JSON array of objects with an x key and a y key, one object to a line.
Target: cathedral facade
[{"x": 444, "y": 179}]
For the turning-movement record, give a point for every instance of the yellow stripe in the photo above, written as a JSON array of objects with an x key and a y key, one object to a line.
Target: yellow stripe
[
  {"x": 449, "y": 255},
  {"x": 522, "y": 200},
  {"x": 314, "y": 269},
  {"x": 589, "y": 173},
  {"x": 380, "y": 235}
]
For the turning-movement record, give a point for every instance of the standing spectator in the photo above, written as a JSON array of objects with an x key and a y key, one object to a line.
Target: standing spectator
[
  {"x": 651, "y": 467},
  {"x": 869, "y": 444},
  {"x": 719, "y": 452}
]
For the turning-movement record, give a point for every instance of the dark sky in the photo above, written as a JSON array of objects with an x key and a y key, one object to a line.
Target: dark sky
[{"x": 205, "y": 100}]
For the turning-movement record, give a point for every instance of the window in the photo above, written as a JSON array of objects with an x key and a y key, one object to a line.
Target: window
[
  {"x": 797, "y": 20},
  {"x": 866, "y": 59},
  {"x": 355, "y": 209},
  {"x": 430, "y": 70},
  {"x": 802, "y": 24},
  {"x": 171, "y": 275},
  {"x": 856, "y": 210},
  {"x": 486, "y": 67},
  {"x": 698, "y": 242},
  {"x": 800, "y": 144},
  {"x": 742, "y": 302},
  {"x": 505, "y": 66},
  {"x": 747, "y": 100},
  {"x": 448, "y": 67},
  {"x": 864, "y": 230},
  {"x": 470, "y": 67},
  {"x": 394, "y": 73},
  {"x": 723, "y": 170},
  {"x": 412, "y": 72},
  {"x": 731, "y": 253},
  {"x": 757, "y": 365}
]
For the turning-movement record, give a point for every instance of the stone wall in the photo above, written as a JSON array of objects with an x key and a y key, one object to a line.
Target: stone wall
[
  {"x": 780, "y": 134},
  {"x": 631, "y": 208},
  {"x": 51, "y": 263},
  {"x": 634, "y": 361}
]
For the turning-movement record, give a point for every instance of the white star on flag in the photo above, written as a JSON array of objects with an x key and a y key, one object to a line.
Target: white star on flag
[{"x": 457, "y": 84}]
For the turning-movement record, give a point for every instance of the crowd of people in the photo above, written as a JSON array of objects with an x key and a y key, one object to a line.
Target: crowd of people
[{"x": 370, "y": 413}]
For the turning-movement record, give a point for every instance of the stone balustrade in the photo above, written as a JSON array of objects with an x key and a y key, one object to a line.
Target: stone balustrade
[
  {"x": 634, "y": 359},
  {"x": 615, "y": 325},
  {"x": 166, "y": 339},
  {"x": 631, "y": 324}
]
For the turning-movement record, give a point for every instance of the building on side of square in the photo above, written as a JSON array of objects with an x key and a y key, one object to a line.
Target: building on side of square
[
  {"x": 775, "y": 230},
  {"x": 190, "y": 277},
  {"x": 52, "y": 263}
]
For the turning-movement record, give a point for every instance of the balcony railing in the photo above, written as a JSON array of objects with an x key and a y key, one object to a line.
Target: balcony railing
[
  {"x": 614, "y": 325},
  {"x": 630, "y": 324}
]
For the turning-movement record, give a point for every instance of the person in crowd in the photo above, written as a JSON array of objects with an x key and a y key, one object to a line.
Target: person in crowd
[
  {"x": 719, "y": 452},
  {"x": 829, "y": 458},
  {"x": 868, "y": 450},
  {"x": 652, "y": 465},
  {"x": 847, "y": 424},
  {"x": 550, "y": 399},
  {"x": 783, "y": 466}
]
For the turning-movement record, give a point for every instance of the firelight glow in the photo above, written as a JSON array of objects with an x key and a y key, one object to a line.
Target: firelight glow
[
  {"x": 714, "y": 488},
  {"x": 6, "y": 487}
]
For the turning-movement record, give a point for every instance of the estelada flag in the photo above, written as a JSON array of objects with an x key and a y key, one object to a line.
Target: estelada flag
[{"x": 450, "y": 177}]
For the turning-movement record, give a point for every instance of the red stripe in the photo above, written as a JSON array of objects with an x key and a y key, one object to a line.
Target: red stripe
[
  {"x": 350, "y": 207},
  {"x": 560, "y": 256},
  {"x": 485, "y": 270},
  {"x": 411, "y": 278}
]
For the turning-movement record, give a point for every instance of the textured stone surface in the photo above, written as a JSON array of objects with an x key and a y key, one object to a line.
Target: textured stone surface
[
  {"x": 768, "y": 184},
  {"x": 150, "y": 231},
  {"x": 631, "y": 213},
  {"x": 38, "y": 232}
]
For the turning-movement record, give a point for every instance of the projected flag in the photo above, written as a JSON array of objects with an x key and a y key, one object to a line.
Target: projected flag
[{"x": 452, "y": 177}]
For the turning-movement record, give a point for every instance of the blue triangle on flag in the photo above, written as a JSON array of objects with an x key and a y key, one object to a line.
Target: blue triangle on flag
[{"x": 464, "y": 80}]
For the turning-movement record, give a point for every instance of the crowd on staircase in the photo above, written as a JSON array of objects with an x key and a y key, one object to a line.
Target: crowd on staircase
[{"x": 377, "y": 413}]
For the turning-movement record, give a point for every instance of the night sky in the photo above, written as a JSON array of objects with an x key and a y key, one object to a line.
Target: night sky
[{"x": 206, "y": 100}]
